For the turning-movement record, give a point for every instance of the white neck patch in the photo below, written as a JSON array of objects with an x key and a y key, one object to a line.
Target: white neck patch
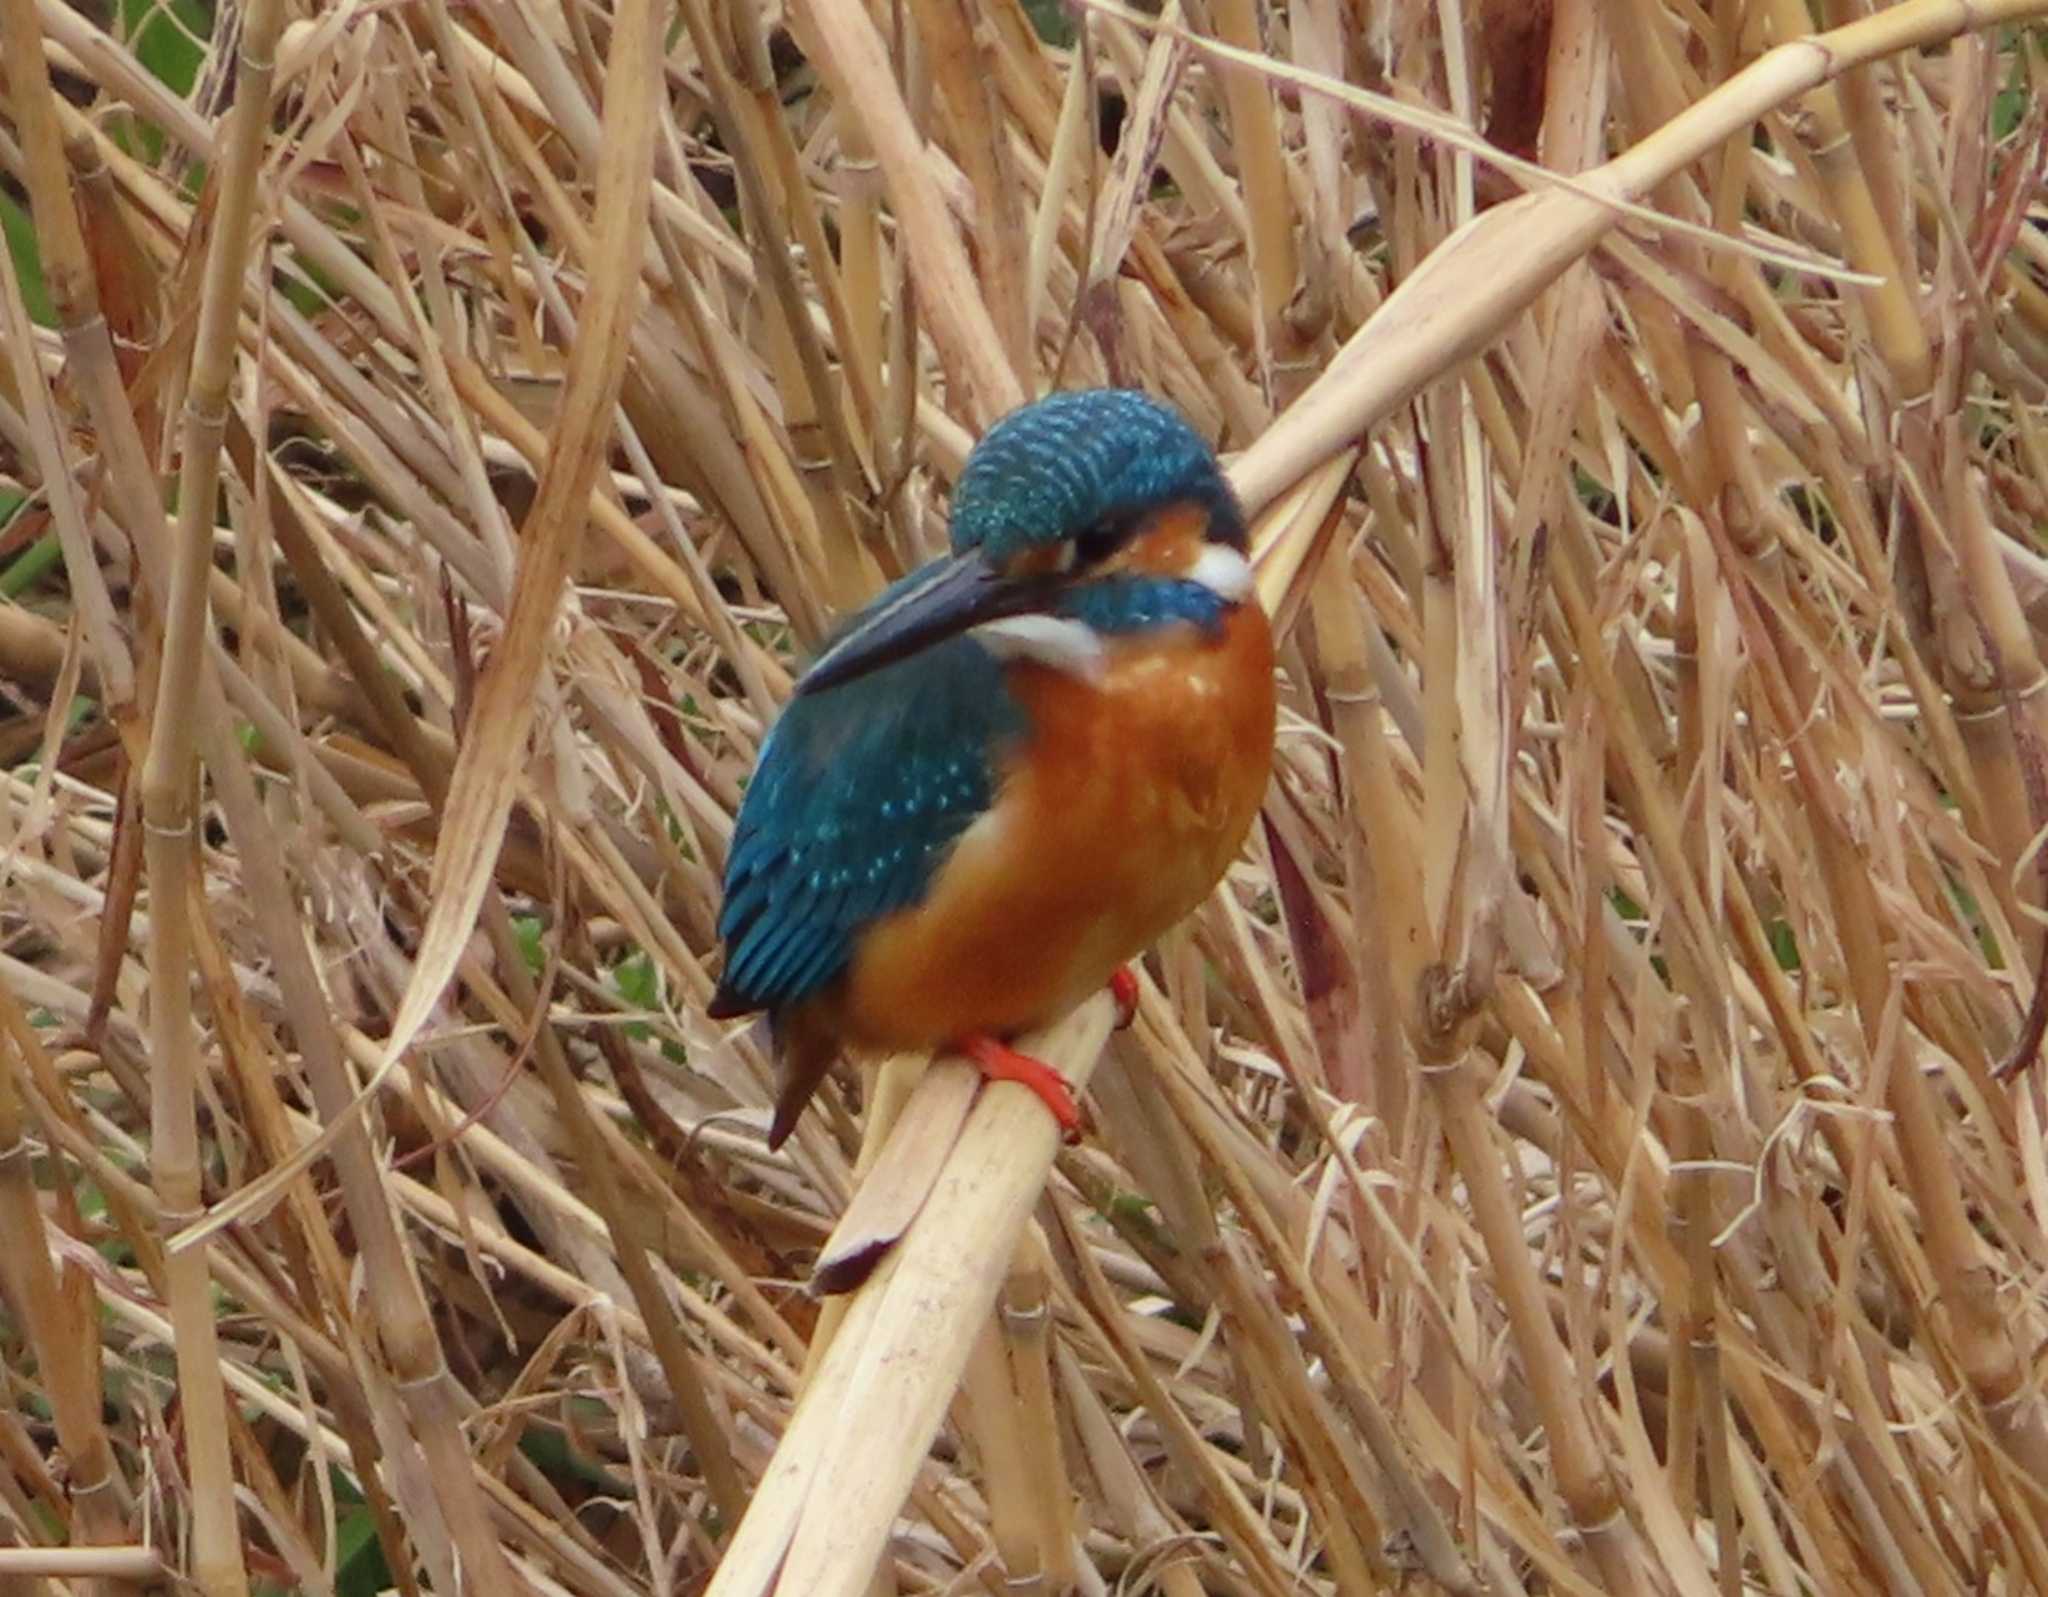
[
  {"x": 1223, "y": 571},
  {"x": 1078, "y": 650},
  {"x": 1054, "y": 641}
]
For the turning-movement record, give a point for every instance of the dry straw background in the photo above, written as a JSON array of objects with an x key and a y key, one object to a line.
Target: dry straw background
[{"x": 1567, "y": 1155}]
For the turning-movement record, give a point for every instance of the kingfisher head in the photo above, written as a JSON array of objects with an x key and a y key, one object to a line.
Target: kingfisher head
[{"x": 1077, "y": 519}]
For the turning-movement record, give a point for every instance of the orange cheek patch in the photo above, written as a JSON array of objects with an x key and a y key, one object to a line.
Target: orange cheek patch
[
  {"x": 1169, "y": 543},
  {"x": 1038, "y": 562}
]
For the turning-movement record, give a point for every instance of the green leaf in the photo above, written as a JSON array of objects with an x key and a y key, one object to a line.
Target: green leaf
[
  {"x": 169, "y": 38},
  {"x": 29, "y": 567},
  {"x": 28, "y": 261},
  {"x": 2007, "y": 107},
  {"x": 527, "y": 929},
  {"x": 638, "y": 984},
  {"x": 359, "y": 1566},
  {"x": 1049, "y": 18}
]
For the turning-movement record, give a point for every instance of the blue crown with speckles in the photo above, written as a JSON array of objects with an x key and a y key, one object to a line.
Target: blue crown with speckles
[{"x": 1052, "y": 469}]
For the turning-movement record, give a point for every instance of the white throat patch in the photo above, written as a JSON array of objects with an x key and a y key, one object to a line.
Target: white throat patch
[
  {"x": 1053, "y": 641},
  {"x": 1224, "y": 572},
  {"x": 1078, "y": 650}
]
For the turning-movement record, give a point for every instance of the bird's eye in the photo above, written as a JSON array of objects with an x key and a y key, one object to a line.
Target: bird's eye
[{"x": 1100, "y": 541}]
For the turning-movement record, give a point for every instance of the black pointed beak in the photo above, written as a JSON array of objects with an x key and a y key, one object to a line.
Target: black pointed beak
[{"x": 941, "y": 601}]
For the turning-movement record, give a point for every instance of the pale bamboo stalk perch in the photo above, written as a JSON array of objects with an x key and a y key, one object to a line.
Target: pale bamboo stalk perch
[{"x": 872, "y": 1406}]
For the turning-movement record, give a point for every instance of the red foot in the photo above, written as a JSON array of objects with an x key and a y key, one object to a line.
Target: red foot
[
  {"x": 1123, "y": 987},
  {"x": 1000, "y": 1062}
]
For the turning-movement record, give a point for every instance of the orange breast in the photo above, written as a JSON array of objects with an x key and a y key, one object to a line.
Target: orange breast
[{"x": 1113, "y": 822}]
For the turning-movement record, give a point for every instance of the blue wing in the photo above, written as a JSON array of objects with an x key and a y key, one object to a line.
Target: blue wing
[{"x": 860, "y": 791}]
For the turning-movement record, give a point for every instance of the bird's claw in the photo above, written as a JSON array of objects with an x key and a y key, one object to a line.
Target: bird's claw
[
  {"x": 1123, "y": 987},
  {"x": 999, "y": 1062}
]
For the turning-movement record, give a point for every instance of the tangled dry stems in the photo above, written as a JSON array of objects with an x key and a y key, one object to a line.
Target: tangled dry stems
[{"x": 1566, "y": 1154}]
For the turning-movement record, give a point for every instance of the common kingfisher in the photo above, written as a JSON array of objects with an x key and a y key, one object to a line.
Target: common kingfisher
[{"x": 1018, "y": 766}]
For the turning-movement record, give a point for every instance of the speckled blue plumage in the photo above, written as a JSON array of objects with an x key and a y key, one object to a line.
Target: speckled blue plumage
[
  {"x": 1050, "y": 470},
  {"x": 1121, "y": 604},
  {"x": 862, "y": 788},
  {"x": 859, "y": 793}
]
